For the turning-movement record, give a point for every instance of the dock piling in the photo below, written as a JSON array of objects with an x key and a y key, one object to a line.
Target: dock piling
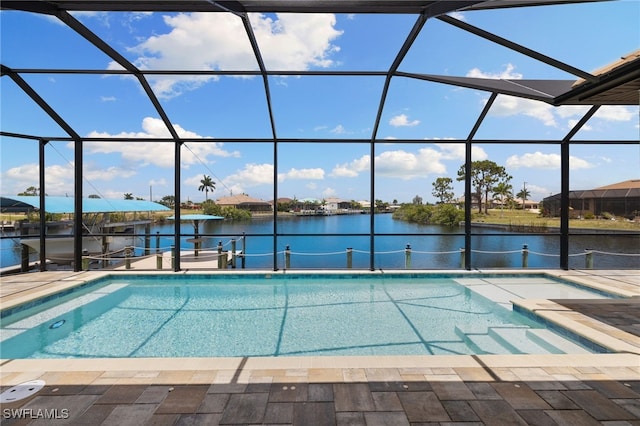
[
  {"x": 233, "y": 253},
  {"x": 588, "y": 260},
  {"x": 220, "y": 262},
  {"x": 287, "y": 257},
  {"x": 127, "y": 257},
  {"x": 407, "y": 257},
  {"x": 525, "y": 256}
]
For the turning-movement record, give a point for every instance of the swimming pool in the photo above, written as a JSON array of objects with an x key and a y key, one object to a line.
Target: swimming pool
[{"x": 281, "y": 315}]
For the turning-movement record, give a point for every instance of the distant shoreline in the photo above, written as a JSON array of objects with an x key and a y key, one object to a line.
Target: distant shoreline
[{"x": 549, "y": 229}]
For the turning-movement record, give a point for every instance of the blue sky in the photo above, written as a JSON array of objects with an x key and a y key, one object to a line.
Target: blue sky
[{"x": 587, "y": 36}]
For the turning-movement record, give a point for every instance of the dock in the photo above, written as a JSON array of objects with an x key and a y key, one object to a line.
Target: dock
[{"x": 204, "y": 259}]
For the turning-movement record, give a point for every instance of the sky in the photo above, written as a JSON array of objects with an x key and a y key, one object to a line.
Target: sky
[{"x": 586, "y": 36}]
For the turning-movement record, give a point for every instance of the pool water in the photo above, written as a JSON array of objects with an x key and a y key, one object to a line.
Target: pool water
[{"x": 279, "y": 315}]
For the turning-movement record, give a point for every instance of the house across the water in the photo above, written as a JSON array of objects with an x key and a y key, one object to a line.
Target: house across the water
[
  {"x": 245, "y": 202},
  {"x": 618, "y": 199}
]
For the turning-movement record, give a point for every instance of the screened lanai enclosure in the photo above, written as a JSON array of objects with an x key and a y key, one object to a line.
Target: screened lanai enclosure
[{"x": 465, "y": 109}]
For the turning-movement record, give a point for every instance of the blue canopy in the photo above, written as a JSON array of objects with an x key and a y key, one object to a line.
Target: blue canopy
[{"x": 89, "y": 205}]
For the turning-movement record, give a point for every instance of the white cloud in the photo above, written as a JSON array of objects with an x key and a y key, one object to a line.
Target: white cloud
[
  {"x": 296, "y": 41},
  {"x": 458, "y": 15},
  {"x": 162, "y": 155},
  {"x": 218, "y": 41},
  {"x": 158, "y": 182},
  {"x": 567, "y": 111},
  {"x": 457, "y": 151},
  {"x": 251, "y": 175},
  {"x": 615, "y": 113},
  {"x": 537, "y": 192},
  {"x": 409, "y": 165},
  {"x": 396, "y": 164},
  {"x": 353, "y": 168},
  {"x": 507, "y": 73},
  {"x": 506, "y": 106},
  {"x": 406, "y": 166},
  {"x": 572, "y": 123},
  {"x": 108, "y": 98},
  {"x": 403, "y": 121},
  {"x": 609, "y": 113},
  {"x": 93, "y": 172},
  {"x": 59, "y": 178},
  {"x": 538, "y": 160},
  {"x": 576, "y": 163},
  {"x": 339, "y": 130},
  {"x": 329, "y": 192},
  {"x": 298, "y": 174}
]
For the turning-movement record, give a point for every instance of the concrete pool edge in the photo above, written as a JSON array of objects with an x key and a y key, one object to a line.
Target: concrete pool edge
[
  {"x": 578, "y": 325},
  {"x": 175, "y": 371}
]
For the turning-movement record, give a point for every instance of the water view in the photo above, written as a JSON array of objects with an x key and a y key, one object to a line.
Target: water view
[{"x": 322, "y": 242}]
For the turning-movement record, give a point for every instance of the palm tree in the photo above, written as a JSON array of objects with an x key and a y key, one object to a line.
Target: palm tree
[
  {"x": 207, "y": 185},
  {"x": 128, "y": 196},
  {"x": 502, "y": 191},
  {"x": 523, "y": 194}
]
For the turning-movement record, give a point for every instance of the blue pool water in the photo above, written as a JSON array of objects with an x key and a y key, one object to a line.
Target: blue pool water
[{"x": 272, "y": 315}]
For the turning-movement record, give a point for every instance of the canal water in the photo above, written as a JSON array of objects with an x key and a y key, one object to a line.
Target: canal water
[{"x": 323, "y": 242}]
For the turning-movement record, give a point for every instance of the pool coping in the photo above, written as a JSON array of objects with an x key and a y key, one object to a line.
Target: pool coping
[{"x": 331, "y": 368}]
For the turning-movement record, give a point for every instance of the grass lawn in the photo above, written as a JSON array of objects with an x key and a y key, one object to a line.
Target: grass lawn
[{"x": 528, "y": 218}]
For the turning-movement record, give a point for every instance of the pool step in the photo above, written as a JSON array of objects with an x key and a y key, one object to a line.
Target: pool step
[
  {"x": 559, "y": 343},
  {"x": 506, "y": 340},
  {"x": 480, "y": 341},
  {"x": 518, "y": 341}
]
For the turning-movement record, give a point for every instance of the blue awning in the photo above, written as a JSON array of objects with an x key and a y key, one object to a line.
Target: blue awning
[{"x": 89, "y": 205}]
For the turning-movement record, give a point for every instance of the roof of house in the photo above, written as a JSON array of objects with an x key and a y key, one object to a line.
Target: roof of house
[
  {"x": 282, "y": 200},
  {"x": 335, "y": 200},
  {"x": 635, "y": 55},
  {"x": 627, "y": 184},
  {"x": 234, "y": 200}
]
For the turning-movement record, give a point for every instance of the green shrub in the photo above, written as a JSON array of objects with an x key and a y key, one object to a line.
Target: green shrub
[
  {"x": 441, "y": 214},
  {"x": 232, "y": 213},
  {"x": 447, "y": 215}
]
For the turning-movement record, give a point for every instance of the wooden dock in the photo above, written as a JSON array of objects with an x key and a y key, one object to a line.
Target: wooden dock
[{"x": 204, "y": 259}]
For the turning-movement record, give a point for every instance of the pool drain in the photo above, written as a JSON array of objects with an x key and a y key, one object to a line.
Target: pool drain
[{"x": 21, "y": 391}]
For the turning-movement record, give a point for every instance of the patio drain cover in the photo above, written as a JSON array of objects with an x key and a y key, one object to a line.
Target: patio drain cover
[{"x": 21, "y": 391}]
